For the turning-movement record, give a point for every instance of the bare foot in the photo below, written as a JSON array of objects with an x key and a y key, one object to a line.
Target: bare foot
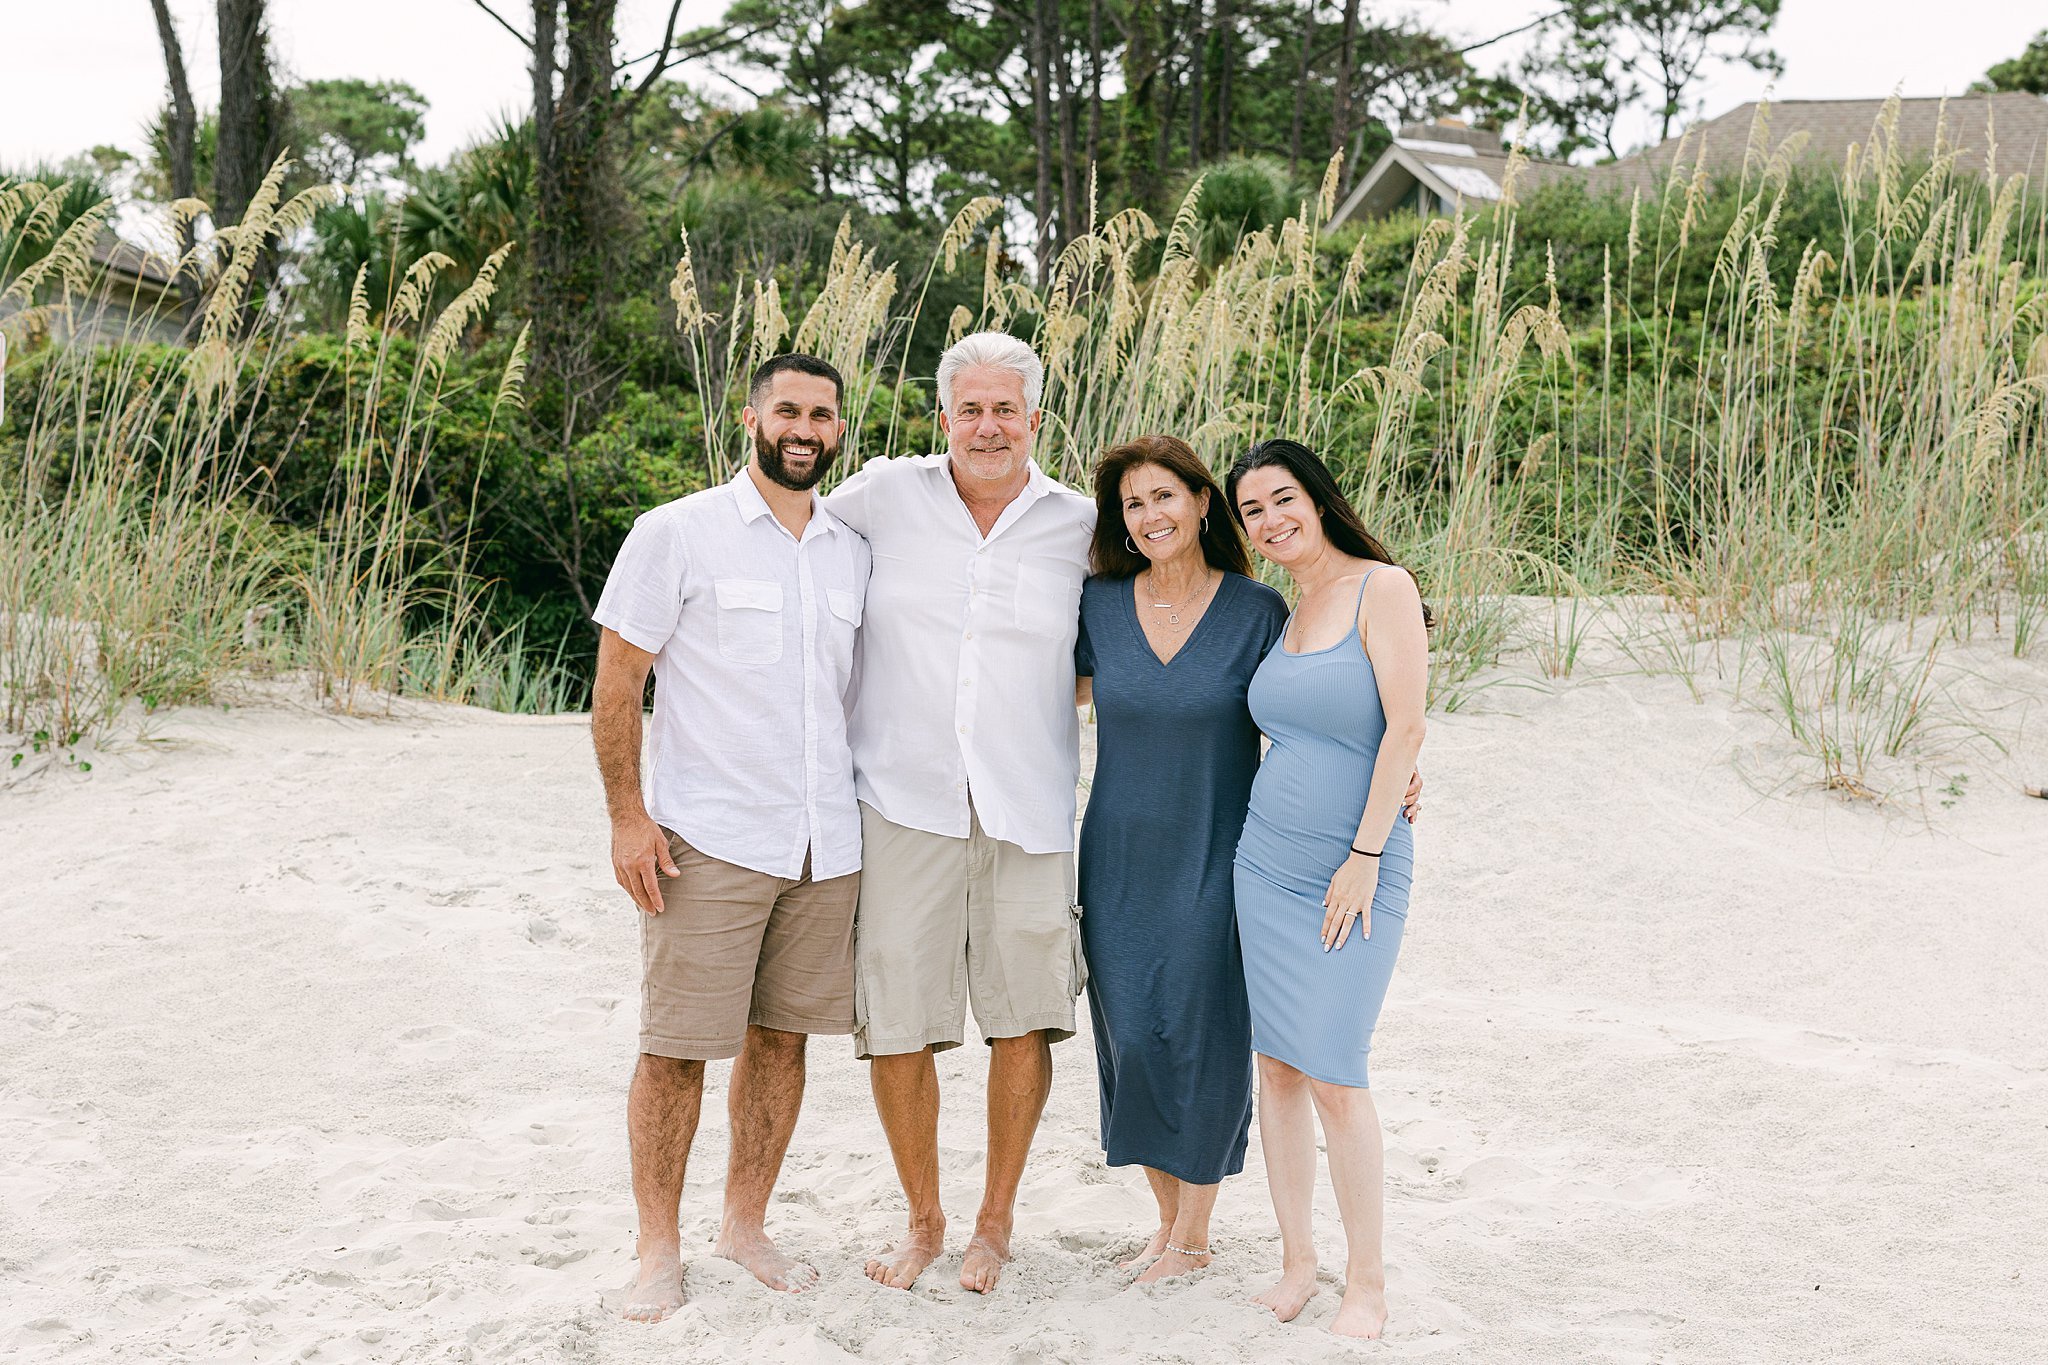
[
  {"x": 752, "y": 1248},
  {"x": 900, "y": 1266},
  {"x": 1170, "y": 1264},
  {"x": 987, "y": 1253},
  {"x": 1152, "y": 1249},
  {"x": 659, "y": 1290},
  {"x": 1363, "y": 1312},
  {"x": 1296, "y": 1286}
]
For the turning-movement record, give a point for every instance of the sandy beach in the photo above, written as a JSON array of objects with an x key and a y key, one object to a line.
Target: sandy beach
[{"x": 314, "y": 1038}]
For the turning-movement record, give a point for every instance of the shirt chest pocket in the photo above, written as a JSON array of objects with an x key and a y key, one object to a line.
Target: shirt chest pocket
[
  {"x": 840, "y": 621},
  {"x": 1048, "y": 600},
  {"x": 749, "y": 620}
]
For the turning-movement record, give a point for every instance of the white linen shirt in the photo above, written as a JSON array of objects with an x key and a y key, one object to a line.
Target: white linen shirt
[
  {"x": 752, "y": 631},
  {"x": 966, "y": 678}
]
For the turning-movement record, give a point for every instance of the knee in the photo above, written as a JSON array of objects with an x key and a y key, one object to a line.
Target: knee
[
  {"x": 1341, "y": 1100},
  {"x": 669, "y": 1073},
  {"x": 1037, "y": 1043},
  {"x": 775, "y": 1043},
  {"x": 1278, "y": 1076}
]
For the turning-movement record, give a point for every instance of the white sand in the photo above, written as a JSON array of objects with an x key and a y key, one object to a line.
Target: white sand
[{"x": 314, "y": 1035}]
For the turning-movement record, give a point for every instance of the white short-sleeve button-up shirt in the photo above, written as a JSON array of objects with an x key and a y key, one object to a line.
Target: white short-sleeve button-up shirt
[
  {"x": 752, "y": 630},
  {"x": 967, "y": 653}
]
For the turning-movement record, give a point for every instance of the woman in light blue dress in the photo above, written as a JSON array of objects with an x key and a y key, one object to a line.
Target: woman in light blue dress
[{"x": 1323, "y": 867}]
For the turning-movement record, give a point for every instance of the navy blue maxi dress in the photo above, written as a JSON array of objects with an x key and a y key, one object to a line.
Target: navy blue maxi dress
[{"x": 1176, "y": 752}]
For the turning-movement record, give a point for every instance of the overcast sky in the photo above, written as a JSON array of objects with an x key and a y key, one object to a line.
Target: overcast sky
[{"x": 82, "y": 72}]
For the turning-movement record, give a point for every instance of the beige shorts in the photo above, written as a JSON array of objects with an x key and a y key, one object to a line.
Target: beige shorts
[
  {"x": 947, "y": 921},
  {"x": 734, "y": 947}
]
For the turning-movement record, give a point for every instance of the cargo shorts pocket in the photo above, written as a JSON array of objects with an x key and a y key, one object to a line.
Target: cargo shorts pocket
[{"x": 1078, "y": 976}]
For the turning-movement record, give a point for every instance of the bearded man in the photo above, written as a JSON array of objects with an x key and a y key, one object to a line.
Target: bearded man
[{"x": 744, "y": 853}]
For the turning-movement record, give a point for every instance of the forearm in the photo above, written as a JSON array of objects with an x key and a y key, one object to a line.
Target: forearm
[
  {"x": 615, "y": 732},
  {"x": 1399, "y": 748}
]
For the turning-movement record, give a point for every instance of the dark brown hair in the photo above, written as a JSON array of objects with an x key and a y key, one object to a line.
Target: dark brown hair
[
  {"x": 1110, "y": 555},
  {"x": 1341, "y": 523},
  {"x": 799, "y": 363}
]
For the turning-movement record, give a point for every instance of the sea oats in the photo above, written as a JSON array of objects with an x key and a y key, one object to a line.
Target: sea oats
[
  {"x": 415, "y": 288},
  {"x": 971, "y": 216},
  {"x": 512, "y": 383},
  {"x": 465, "y": 309},
  {"x": 357, "y": 335}
]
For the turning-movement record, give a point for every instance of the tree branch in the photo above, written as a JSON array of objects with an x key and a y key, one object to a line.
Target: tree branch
[
  {"x": 668, "y": 41},
  {"x": 1537, "y": 22},
  {"x": 667, "y": 56},
  {"x": 524, "y": 41}
]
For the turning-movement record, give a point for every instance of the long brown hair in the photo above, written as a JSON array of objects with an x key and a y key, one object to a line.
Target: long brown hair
[{"x": 1222, "y": 543}]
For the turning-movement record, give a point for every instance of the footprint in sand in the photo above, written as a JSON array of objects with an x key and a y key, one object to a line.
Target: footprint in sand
[
  {"x": 38, "y": 1017},
  {"x": 585, "y": 1014},
  {"x": 437, "y": 1042}
]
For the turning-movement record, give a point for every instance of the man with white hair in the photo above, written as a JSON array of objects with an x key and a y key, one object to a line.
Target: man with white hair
[{"x": 966, "y": 751}]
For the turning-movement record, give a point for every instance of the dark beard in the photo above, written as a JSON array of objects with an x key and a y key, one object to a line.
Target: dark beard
[{"x": 769, "y": 453}]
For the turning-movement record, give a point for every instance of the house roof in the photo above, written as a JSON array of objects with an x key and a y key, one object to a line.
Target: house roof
[
  {"x": 122, "y": 257},
  {"x": 1970, "y": 125},
  {"x": 2007, "y": 131},
  {"x": 1470, "y": 168}
]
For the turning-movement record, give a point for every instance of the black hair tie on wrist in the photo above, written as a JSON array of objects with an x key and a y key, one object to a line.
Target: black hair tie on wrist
[{"x": 1362, "y": 853}]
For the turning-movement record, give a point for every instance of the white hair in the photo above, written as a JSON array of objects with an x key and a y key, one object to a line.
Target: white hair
[{"x": 995, "y": 351}]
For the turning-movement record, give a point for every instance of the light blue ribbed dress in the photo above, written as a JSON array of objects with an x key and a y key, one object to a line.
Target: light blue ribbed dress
[{"x": 1311, "y": 1009}]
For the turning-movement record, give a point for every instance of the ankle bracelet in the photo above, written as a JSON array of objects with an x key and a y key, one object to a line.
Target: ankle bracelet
[{"x": 1187, "y": 1251}]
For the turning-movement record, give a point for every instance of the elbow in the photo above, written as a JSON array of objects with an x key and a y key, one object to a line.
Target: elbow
[{"x": 1408, "y": 734}]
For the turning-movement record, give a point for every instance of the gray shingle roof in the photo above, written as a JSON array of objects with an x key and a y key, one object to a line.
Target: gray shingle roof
[{"x": 1967, "y": 124}]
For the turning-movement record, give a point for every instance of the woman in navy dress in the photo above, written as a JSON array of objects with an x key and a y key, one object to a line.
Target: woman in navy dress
[
  {"x": 1172, "y": 629},
  {"x": 1323, "y": 867}
]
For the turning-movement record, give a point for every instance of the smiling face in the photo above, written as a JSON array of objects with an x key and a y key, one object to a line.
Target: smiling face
[
  {"x": 1162, "y": 515},
  {"x": 796, "y": 429},
  {"x": 1281, "y": 522},
  {"x": 988, "y": 428}
]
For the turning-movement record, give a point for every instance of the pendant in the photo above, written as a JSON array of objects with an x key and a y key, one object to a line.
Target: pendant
[{"x": 1173, "y": 618}]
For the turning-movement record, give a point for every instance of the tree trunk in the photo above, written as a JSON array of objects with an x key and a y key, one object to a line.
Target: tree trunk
[
  {"x": 1340, "y": 115},
  {"x": 1308, "y": 33},
  {"x": 1198, "y": 61},
  {"x": 182, "y": 129},
  {"x": 1226, "y": 57},
  {"x": 1043, "y": 25},
  {"x": 579, "y": 213},
  {"x": 251, "y": 124},
  {"x": 1094, "y": 83},
  {"x": 546, "y": 65},
  {"x": 1143, "y": 106},
  {"x": 1073, "y": 183}
]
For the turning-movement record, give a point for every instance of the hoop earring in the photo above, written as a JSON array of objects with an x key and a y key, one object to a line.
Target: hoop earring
[
  {"x": 1128, "y": 546},
  {"x": 1205, "y": 526}
]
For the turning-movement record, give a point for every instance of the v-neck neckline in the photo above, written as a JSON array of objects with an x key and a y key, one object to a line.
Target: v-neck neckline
[{"x": 1138, "y": 627}]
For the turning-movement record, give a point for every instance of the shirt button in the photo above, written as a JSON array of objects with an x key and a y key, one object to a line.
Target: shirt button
[{"x": 963, "y": 729}]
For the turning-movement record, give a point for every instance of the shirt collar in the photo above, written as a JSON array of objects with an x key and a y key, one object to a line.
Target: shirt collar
[{"x": 753, "y": 506}]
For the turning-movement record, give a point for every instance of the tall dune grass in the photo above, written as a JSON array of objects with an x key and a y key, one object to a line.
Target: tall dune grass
[
  {"x": 1867, "y": 445},
  {"x": 1846, "y": 474},
  {"x": 133, "y": 564}
]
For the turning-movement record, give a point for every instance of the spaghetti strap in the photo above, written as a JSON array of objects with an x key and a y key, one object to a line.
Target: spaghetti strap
[{"x": 1358, "y": 607}]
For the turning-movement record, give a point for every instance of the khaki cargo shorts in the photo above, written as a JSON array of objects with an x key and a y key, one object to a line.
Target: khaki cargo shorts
[
  {"x": 734, "y": 947},
  {"x": 944, "y": 922}
]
